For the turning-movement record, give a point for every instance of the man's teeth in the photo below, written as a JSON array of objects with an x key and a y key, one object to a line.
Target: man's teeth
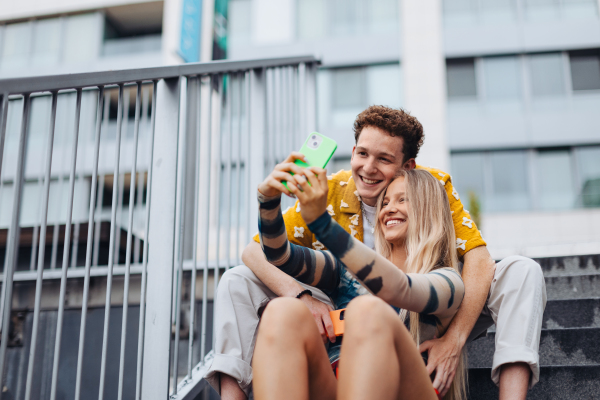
[
  {"x": 393, "y": 222},
  {"x": 369, "y": 181}
]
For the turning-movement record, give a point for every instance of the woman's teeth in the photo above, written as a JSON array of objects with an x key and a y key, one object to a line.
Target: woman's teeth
[{"x": 393, "y": 222}]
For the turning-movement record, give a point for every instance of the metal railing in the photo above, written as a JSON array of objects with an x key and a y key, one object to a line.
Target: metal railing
[{"x": 160, "y": 207}]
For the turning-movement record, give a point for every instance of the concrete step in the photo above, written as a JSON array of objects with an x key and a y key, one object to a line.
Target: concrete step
[
  {"x": 573, "y": 287},
  {"x": 572, "y": 265},
  {"x": 570, "y": 346},
  {"x": 572, "y": 313},
  {"x": 556, "y": 382}
]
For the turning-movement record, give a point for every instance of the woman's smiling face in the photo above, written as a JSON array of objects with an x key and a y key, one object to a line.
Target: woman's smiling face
[{"x": 393, "y": 217}]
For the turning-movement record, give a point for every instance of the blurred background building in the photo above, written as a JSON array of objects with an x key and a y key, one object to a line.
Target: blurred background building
[{"x": 508, "y": 90}]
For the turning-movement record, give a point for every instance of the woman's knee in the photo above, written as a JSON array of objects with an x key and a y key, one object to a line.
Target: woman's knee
[{"x": 369, "y": 316}]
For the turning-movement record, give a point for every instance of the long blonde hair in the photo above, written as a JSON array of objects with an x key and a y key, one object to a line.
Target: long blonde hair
[{"x": 430, "y": 244}]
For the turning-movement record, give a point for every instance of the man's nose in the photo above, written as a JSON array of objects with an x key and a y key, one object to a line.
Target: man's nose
[{"x": 370, "y": 166}]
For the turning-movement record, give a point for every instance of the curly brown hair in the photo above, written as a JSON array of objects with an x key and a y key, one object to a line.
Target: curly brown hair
[{"x": 397, "y": 123}]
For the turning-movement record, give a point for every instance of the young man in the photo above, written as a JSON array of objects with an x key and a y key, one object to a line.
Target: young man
[{"x": 507, "y": 293}]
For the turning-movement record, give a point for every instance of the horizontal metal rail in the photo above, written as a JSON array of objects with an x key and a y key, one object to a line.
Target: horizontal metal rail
[{"x": 87, "y": 79}]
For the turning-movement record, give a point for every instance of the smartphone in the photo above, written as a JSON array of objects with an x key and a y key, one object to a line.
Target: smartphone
[
  {"x": 337, "y": 318},
  {"x": 318, "y": 150}
]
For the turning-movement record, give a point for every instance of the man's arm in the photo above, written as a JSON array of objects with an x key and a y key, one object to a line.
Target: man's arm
[
  {"x": 284, "y": 285},
  {"x": 444, "y": 353}
]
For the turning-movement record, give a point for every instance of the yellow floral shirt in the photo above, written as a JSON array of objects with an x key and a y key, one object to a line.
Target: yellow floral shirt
[{"x": 344, "y": 207}]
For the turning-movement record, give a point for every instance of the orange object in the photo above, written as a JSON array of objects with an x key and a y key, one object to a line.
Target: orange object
[{"x": 337, "y": 317}]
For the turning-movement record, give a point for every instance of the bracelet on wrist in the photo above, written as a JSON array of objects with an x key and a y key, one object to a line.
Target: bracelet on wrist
[{"x": 302, "y": 293}]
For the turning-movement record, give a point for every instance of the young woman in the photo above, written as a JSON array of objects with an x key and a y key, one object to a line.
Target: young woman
[{"x": 414, "y": 269}]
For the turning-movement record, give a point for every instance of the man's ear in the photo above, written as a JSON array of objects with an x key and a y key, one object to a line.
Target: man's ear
[
  {"x": 353, "y": 149},
  {"x": 410, "y": 164}
]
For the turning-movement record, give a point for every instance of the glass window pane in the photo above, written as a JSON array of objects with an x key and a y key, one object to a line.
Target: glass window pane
[
  {"x": 580, "y": 9},
  {"x": 312, "y": 17},
  {"x": 467, "y": 174},
  {"x": 17, "y": 46},
  {"x": 346, "y": 17},
  {"x": 502, "y": 78},
  {"x": 82, "y": 37},
  {"x": 239, "y": 14},
  {"x": 384, "y": 86},
  {"x": 546, "y": 74},
  {"x": 497, "y": 10},
  {"x": 585, "y": 70},
  {"x": 460, "y": 74},
  {"x": 509, "y": 181},
  {"x": 383, "y": 16},
  {"x": 46, "y": 42},
  {"x": 348, "y": 87},
  {"x": 542, "y": 10},
  {"x": 589, "y": 171},
  {"x": 555, "y": 180}
]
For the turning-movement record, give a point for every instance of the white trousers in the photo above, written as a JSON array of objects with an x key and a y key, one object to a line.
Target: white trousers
[{"x": 515, "y": 304}]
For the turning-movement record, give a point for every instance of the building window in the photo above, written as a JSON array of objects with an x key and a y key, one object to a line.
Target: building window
[
  {"x": 589, "y": 173},
  {"x": 468, "y": 175},
  {"x": 460, "y": 77},
  {"x": 546, "y": 74},
  {"x": 345, "y": 92},
  {"x": 554, "y": 178},
  {"x": 502, "y": 78},
  {"x": 585, "y": 69},
  {"x": 510, "y": 186}
]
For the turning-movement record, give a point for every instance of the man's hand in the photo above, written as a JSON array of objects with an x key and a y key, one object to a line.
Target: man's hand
[
  {"x": 313, "y": 197},
  {"x": 272, "y": 185},
  {"x": 444, "y": 355},
  {"x": 320, "y": 312}
]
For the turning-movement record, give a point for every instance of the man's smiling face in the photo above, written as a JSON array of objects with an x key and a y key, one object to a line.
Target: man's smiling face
[{"x": 376, "y": 159}]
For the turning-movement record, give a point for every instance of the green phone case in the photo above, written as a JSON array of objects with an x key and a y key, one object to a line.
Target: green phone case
[{"x": 316, "y": 156}]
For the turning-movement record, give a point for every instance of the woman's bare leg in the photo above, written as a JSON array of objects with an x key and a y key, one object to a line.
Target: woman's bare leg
[
  {"x": 290, "y": 361},
  {"x": 379, "y": 359}
]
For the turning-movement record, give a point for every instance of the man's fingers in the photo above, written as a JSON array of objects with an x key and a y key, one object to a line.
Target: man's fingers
[
  {"x": 320, "y": 327},
  {"x": 440, "y": 379},
  {"x": 329, "y": 326},
  {"x": 448, "y": 383},
  {"x": 425, "y": 346}
]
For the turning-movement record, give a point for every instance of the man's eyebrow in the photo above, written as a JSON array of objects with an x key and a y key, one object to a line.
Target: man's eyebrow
[{"x": 383, "y": 153}]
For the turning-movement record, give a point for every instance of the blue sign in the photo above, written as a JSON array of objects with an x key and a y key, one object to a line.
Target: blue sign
[{"x": 189, "y": 45}]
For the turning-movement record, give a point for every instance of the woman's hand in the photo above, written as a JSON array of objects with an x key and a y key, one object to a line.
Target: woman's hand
[
  {"x": 272, "y": 185},
  {"x": 313, "y": 197}
]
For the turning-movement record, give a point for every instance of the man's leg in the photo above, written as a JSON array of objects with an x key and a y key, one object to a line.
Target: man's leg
[
  {"x": 239, "y": 298},
  {"x": 516, "y": 303}
]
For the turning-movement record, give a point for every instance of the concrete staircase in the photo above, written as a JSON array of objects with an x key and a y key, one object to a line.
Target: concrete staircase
[{"x": 570, "y": 342}]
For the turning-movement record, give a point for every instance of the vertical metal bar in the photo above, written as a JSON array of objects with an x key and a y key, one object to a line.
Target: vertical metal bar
[
  {"x": 216, "y": 129},
  {"x": 88, "y": 248},
  {"x": 208, "y": 153},
  {"x": 97, "y": 223},
  {"x": 249, "y": 159},
  {"x": 136, "y": 130},
  {"x": 13, "y": 235},
  {"x": 141, "y": 328},
  {"x": 238, "y": 169},
  {"x": 65, "y": 260},
  {"x": 157, "y": 335},
  {"x": 97, "y": 219},
  {"x": 36, "y": 229},
  {"x": 195, "y": 238},
  {"x": 40, "y": 267},
  {"x": 111, "y": 247},
  {"x": 229, "y": 144},
  {"x": 311, "y": 96},
  {"x": 137, "y": 247},
  {"x": 76, "y": 231},
  {"x": 118, "y": 218},
  {"x": 56, "y": 228},
  {"x": 3, "y": 122},
  {"x": 180, "y": 216}
]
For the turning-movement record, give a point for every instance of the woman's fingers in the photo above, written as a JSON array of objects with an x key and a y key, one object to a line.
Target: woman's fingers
[{"x": 294, "y": 155}]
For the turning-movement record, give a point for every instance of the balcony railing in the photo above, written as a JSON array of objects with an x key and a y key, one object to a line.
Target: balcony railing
[{"x": 132, "y": 216}]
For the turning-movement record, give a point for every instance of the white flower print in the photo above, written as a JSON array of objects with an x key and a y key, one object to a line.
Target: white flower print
[
  {"x": 354, "y": 219},
  {"x": 353, "y": 231},
  {"x": 460, "y": 244},
  {"x": 298, "y": 207},
  {"x": 343, "y": 204},
  {"x": 318, "y": 245},
  {"x": 298, "y": 232},
  {"x": 286, "y": 210},
  {"x": 455, "y": 193},
  {"x": 467, "y": 222},
  {"x": 442, "y": 175},
  {"x": 330, "y": 210},
  {"x": 342, "y": 183},
  {"x": 357, "y": 195}
]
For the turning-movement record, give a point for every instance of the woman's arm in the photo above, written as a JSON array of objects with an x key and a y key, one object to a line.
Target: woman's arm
[
  {"x": 315, "y": 268},
  {"x": 438, "y": 293}
]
